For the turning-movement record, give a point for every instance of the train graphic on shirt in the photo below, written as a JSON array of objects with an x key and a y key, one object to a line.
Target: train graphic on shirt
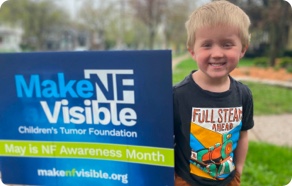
[{"x": 213, "y": 139}]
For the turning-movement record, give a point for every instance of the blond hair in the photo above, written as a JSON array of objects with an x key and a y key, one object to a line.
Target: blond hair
[{"x": 218, "y": 13}]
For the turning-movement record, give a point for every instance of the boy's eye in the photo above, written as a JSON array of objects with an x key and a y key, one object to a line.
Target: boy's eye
[
  {"x": 227, "y": 45},
  {"x": 207, "y": 45}
]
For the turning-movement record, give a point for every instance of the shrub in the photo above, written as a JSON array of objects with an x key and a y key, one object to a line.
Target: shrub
[
  {"x": 285, "y": 62},
  {"x": 261, "y": 62},
  {"x": 288, "y": 53}
]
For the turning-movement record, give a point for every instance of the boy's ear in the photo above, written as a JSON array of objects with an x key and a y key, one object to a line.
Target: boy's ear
[
  {"x": 191, "y": 52},
  {"x": 244, "y": 49}
]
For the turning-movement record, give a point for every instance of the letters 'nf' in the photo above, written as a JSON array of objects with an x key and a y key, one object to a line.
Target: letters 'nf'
[{"x": 1, "y": 2}]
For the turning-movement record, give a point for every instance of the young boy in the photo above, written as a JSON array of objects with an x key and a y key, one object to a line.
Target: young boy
[{"x": 212, "y": 111}]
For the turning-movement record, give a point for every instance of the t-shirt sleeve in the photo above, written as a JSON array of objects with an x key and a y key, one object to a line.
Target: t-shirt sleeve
[{"x": 247, "y": 119}]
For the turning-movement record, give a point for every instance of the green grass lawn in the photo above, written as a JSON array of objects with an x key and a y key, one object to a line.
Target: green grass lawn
[
  {"x": 245, "y": 62},
  {"x": 183, "y": 69},
  {"x": 270, "y": 99},
  {"x": 266, "y": 164}
]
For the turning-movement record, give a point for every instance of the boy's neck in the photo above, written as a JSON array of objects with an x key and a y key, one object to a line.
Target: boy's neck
[{"x": 211, "y": 84}]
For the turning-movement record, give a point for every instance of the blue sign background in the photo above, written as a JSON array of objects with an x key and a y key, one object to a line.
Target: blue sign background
[{"x": 153, "y": 105}]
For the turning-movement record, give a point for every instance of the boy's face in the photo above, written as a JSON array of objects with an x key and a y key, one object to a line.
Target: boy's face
[{"x": 217, "y": 50}]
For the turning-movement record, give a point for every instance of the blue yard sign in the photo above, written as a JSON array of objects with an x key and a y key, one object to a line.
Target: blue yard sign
[{"x": 86, "y": 118}]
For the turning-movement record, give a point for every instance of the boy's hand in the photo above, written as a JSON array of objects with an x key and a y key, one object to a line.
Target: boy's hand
[{"x": 241, "y": 151}]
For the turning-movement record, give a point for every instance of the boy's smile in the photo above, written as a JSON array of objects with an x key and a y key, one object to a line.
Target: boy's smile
[{"x": 217, "y": 51}]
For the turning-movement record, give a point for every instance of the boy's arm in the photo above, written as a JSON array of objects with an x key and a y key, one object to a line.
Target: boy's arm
[{"x": 241, "y": 151}]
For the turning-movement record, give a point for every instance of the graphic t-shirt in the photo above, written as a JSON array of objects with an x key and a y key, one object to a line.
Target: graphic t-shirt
[{"x": 207, "y": 129}]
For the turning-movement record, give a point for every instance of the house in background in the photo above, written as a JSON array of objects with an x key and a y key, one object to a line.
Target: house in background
[
  {"x": 10, "y": 39},
  {"x": 66, "y": 39},
  {"x": 60, "y": 39}
]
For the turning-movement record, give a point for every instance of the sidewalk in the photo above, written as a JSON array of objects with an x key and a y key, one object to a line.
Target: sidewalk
[{"x": 274, "y": 129}]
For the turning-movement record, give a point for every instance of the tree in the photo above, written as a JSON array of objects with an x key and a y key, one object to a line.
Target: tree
[
  {"x": 278, "y": 18},
  {"x": 272, "y": 17},
  {"x": 176, "y": 15},
  {"x": 36, "y": 18},
  {"x": 125, "y": 31},
  {"x": 97, "y": 16},
  {"x": 151, "y": 13}
]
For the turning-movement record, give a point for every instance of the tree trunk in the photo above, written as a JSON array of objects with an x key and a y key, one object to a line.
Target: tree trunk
[{"x": 278, "y": 33}]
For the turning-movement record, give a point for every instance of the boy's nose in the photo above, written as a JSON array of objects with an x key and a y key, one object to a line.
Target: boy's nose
[{"x": 217, "y": 52}]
